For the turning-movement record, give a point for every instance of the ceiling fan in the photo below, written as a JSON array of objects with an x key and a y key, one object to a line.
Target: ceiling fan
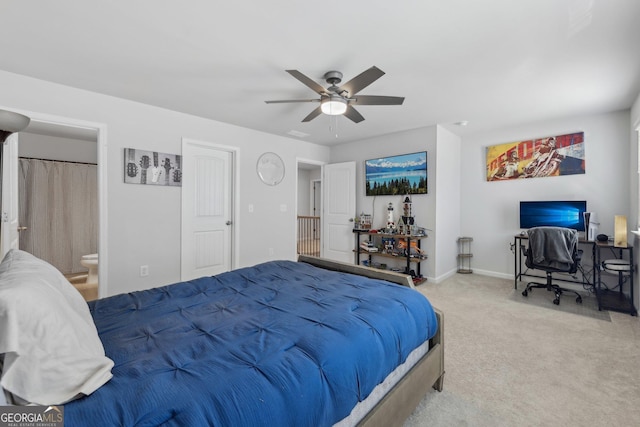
[{"x": 336, "y": 100}]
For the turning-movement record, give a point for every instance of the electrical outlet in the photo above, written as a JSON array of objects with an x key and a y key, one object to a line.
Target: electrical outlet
[
  {"x": 144, "y": 270},
  {"x": 271, "y": 252}
]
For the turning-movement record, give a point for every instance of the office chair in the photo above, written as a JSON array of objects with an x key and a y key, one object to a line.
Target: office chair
[{"x": 553, "y": 250}]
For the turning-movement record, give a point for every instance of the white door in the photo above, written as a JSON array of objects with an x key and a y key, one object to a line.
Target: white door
[
  {"x": 206, "y": 209},
  {"x": 9, "y": 224},
  {"x": 339, "y": 205}
]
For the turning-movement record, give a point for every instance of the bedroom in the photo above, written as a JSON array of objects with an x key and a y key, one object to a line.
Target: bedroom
[{"x": 458, "y": 203}]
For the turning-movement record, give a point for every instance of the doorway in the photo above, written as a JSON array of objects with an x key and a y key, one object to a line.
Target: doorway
[
  {"x": 309, "y": 208},
  {"x": 59, "y": 141}
]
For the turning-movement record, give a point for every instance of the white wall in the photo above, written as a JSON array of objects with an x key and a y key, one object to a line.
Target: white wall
[
  {"x": 56, "y": 148},
  {"x": 448, "y": 218},
  {"x": 144, "y": 221},
  {"x": 490, "y": 209},
  {"x": 304, "y": 197},
  {"x": 442, "y": 175}
]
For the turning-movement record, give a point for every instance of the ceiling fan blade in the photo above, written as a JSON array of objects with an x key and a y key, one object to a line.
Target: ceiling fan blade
[
  {"x": 362, "y": 80},
  {"x": 376, "y": 100},
  {"x": 312, "y": 115},
  {"x": 291, "y": 100},
  {"x": 353, "y": 115},
  {"x": 307, "y": 81}
]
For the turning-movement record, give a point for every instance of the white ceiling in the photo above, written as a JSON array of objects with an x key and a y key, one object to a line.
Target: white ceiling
[{"x": 493, "y": 63}]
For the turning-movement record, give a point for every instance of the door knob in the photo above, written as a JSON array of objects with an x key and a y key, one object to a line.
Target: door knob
[
  {"x": 21, "y": 228},
  {"x": 228, "y": 223}
]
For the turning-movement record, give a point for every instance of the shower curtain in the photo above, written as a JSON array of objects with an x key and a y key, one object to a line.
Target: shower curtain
[{"x": 59, "y": 206}]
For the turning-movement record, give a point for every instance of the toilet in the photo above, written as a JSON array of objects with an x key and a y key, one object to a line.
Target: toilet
[{"x": 91, "y": 262}]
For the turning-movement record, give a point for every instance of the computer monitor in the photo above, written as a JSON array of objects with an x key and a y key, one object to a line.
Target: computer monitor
[{"x": 569, "y": 214}]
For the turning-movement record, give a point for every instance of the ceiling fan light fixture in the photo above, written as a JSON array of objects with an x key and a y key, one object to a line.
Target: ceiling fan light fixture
[
  {"x": 340, "y": 100},
  {"x": 333, "y": 105}
]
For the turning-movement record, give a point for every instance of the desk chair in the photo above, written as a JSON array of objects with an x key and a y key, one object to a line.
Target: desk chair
[{"x": 553, "y": 250}]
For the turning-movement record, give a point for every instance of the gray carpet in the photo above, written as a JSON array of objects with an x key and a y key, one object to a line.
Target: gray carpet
[
  {"x": 515, "y": 363},
  {"x": 544, "y": 298}
]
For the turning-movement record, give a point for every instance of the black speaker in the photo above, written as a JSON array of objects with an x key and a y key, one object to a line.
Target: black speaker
[{"x": 602, "y": 238}]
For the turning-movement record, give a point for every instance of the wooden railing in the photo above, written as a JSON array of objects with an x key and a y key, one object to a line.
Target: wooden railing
[{"x": 309, "y": 235}]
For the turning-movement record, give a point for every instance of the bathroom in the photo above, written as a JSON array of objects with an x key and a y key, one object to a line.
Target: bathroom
[{"x": 58, "y": 201}]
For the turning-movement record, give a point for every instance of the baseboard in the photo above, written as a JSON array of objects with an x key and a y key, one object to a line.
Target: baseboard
[
  {"x": 493, "y": 274},
  {"x": 442, "y": 277}
]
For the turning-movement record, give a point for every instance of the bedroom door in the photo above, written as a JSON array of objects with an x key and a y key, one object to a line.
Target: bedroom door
[
  {"x": 207, "y": 200},
  {"x": 9, "y": 227},
  {"x": 339, "y": 206}
]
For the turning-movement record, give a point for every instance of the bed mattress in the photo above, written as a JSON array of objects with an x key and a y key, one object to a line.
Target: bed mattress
[{"x": 281, "y": 343}]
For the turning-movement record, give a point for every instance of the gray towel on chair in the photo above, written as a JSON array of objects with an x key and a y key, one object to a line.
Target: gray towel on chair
[{"x": 552, "y": 246}]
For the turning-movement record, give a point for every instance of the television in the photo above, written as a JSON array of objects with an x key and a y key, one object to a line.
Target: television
[
  {"x": 569, "y": 214},
  {"x": 396, "y": 175}
]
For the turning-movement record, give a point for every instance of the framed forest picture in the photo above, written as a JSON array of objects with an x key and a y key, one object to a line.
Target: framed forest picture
[{"x": 396, "y": 175}]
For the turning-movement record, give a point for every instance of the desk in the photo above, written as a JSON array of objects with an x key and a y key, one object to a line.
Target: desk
[
  {"x": 520, "y": 255},
  {"x": 609, "y": 299}
]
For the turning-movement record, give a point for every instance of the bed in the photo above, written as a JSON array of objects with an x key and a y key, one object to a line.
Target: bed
[{"x": 313, "y": 342}]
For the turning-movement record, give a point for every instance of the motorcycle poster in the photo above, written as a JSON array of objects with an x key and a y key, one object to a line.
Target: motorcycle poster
[{"x": 535, "y": 158}]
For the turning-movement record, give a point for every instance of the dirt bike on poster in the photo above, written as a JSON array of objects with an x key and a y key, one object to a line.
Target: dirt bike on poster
[{"x": 545, "y": 165}]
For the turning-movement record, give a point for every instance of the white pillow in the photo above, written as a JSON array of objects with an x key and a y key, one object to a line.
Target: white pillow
[{"x": 52, "y": 352}]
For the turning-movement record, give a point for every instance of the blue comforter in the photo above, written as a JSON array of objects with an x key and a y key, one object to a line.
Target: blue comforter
[{"x": 279, "y": 344}]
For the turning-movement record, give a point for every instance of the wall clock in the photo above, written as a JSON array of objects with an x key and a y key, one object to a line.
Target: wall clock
[{"x": 270, "y": 168}]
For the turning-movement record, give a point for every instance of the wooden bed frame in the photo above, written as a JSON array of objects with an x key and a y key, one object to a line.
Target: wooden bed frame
[{"x": 404, "y": 397}]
